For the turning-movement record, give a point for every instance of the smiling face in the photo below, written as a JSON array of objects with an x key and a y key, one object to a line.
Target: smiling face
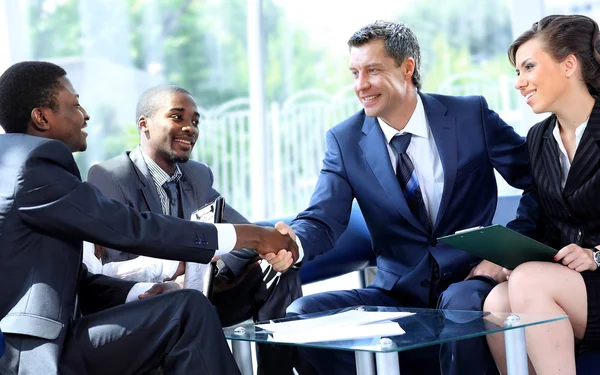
[
  {"x": 169, "y": 135},
  {"x": 379, "y": 83},
  {"x": 66, "y": 122},
  {"x": 542, "y": 80}
]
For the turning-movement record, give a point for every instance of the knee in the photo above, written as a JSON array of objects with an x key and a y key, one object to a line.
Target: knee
[
  {"x": 192, "y": 299},
  {"x": 527, "y": 278},
  {"x": 465, "y": 295},
  {"x": 528, "y": 282},
  {"x": 497, "y": 300},
  {"x": 303, "y": 305}
]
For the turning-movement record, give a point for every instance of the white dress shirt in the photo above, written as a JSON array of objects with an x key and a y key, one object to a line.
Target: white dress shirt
[
  {"x": 147, "y": 270},
  {"x": 225, "y": 232},
  {"x": 424, "y": 155},
  {"x": 565, "y": 164}
]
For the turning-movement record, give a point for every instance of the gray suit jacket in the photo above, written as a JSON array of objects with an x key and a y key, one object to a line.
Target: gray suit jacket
[
  {"x": 45, "y": 214},
  {"x": 126, "y": 178}
]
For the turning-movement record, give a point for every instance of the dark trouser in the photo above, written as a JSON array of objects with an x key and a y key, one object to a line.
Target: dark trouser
[
  {"x": 462, "y": 357},
  {"x": 178, "y": 332},
  {"x": 471, "y": 356},
  {"x": 251, "y": 298}
]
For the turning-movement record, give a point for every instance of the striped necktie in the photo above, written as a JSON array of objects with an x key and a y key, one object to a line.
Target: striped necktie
[{"x": 407, "y": 177}]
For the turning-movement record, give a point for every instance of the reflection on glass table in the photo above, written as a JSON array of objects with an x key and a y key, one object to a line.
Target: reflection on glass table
[{"x": 377, "y": 353}]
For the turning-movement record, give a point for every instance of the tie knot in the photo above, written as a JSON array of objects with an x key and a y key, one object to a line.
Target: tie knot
[
  {"x": 400, "y": 142},
  {"x": 171, "y": 189}
]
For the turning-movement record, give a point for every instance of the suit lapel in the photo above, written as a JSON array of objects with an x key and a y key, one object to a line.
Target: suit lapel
[
  {"x": 187, "y": 193},
  {"x": 148, "y": 189},
  {"x": 373, "y": 146},
  {"x": 587, "y": 154},
  {"x": 551, "y": 159},
  {"x": 443, "y": 129}
]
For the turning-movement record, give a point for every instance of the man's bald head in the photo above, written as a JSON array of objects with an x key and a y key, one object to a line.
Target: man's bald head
[{"x": 151, "y": 99}]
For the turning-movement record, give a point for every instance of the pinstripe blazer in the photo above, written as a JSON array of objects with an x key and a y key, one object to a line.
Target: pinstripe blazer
[{"x": 572, "y": 214}]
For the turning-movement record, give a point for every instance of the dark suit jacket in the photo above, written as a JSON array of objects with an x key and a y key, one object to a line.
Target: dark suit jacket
[
  {"x": 571, "y": 215},
  {"x": 472, "y": 141},
  {"x": 126, "y": 178},
  {"x": 45, "y": 214}
]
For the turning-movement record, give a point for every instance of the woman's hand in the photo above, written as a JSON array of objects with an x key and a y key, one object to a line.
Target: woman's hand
[{"x": 576, "y": 258}]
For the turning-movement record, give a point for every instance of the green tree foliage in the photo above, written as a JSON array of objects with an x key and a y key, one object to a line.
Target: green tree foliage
[{"x": 53, "y": 31}]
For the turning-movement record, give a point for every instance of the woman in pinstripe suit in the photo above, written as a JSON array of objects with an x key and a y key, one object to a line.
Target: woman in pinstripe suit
[{"x": 558, "y": 70}]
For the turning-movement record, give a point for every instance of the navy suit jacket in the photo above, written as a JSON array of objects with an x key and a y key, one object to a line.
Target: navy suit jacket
[{"x": 472, "y": 141}]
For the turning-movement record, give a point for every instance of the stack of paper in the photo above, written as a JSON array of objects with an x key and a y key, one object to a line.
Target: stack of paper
[{"x": 353, "y": 324}]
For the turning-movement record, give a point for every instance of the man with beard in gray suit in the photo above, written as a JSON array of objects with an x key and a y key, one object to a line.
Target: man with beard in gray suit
[{"x": 168, "y": 123}]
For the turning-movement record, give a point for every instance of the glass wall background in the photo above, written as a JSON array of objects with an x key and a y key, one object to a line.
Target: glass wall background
[{"x": 113, "y": 50}]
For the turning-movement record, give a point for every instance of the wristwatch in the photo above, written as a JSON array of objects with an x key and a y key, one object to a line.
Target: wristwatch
[{"x": 596, "y": 256}]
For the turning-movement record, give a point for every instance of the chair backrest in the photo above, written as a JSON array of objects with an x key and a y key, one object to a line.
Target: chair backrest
[
  {"x": 352, "y": 251},
  {"x": 506, "y": 210}
]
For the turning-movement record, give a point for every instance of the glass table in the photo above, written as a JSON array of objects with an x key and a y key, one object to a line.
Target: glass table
[{"x": 377, "y": 354}]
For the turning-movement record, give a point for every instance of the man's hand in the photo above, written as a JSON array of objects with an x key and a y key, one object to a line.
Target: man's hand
[
  {"x": 264, "y": 240},
  {"x": 284, "y": 229},
  {"x": 159, "y": 288},
  {"x": 576, "y": 258},
  {"x": 99, "y": 251},
  {"x": 178, "y": 272},
  {"x": 487, "y": 268},
  {"x": 283, "y": 260}
]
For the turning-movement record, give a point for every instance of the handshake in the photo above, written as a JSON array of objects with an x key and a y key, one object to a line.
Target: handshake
[{"x": 276, "y": 245}]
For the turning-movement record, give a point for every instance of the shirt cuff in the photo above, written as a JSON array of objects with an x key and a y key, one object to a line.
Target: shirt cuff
[
  {"x": 227, "y": 238},
  {"x": 136, "y": 290},
  {"x": 300, "y": 250}
]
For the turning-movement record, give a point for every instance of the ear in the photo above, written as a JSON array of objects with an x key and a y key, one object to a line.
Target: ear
[
  {"x": 408, "y": 68},
  {"x": 39, "y": 120},
  {"x": 142, "y": 124},
  {"x": 570, "y": 65}
]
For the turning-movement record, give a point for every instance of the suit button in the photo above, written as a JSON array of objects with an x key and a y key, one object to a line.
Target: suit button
[
  {"x": 425, "y": 283},
  {"x": 433, "y": 242},
  {"x": 579, "y": 236}
]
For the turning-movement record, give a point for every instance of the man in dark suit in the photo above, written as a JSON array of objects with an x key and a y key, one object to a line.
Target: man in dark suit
[
  {"x": 420, "y": 166},
  {"x": 136, "y": 178},
  {"x": 56, "y": 317}
]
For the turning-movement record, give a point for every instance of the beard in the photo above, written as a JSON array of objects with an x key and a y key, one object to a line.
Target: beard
[{"x": 178, "y": 159}]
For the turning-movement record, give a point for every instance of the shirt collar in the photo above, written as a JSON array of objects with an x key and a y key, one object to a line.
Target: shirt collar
[
  {"x": 158, "y": 175},
  {"x": 417, "y": 124},
  {"x": 578, "y": 132}
]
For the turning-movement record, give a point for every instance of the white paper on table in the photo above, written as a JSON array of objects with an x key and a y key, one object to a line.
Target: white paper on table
[
  {"x": 334, "y": 333},
  {"x": 348, "y": 318}
]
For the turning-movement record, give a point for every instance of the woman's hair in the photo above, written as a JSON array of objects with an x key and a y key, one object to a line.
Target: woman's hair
[{"x": 561, "y": 36}]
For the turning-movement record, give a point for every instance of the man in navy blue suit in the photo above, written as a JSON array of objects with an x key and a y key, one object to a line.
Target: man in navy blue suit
[{"x": 420, "y": 166}]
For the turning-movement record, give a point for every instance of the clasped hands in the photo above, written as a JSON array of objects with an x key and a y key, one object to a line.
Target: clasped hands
[{"x": 283, "y": 257}]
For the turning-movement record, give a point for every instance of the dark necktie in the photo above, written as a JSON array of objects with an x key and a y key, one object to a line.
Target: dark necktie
[
  {"x": 405, "y": 173},
  {"x": 171, "y": 189}
]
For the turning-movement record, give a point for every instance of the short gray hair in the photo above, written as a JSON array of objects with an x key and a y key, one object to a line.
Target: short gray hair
[{"x": 399, "y": 40}]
